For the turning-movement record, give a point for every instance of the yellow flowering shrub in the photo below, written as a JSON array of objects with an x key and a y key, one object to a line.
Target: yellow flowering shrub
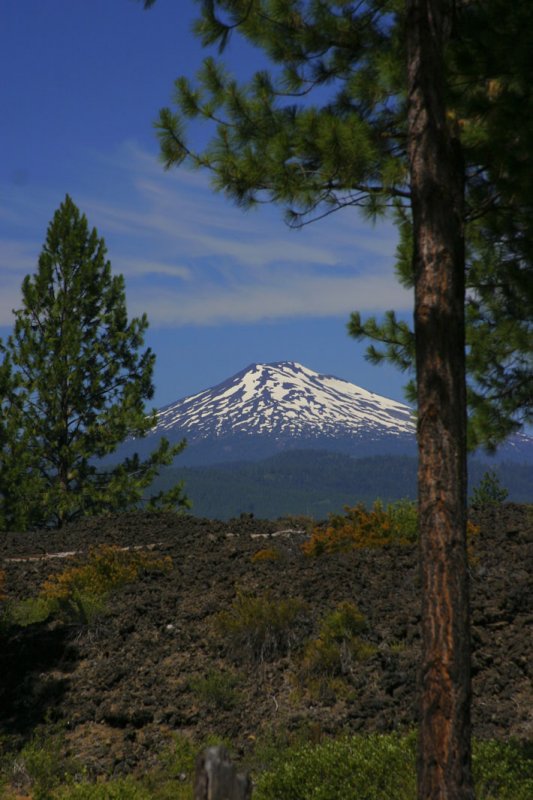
[
  {"x": 360, "y": 527},
  {"x": 80, "y": 592},
  {"x": 382, "y": 525}
]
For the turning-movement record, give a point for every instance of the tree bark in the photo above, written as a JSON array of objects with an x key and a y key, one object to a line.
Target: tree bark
[{"x": 437, "y": 184}]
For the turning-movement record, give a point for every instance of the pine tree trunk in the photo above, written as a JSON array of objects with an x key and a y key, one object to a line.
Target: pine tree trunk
[{"x": 437, "y": 183}]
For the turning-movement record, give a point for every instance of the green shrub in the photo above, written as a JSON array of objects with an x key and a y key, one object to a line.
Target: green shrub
[
  {"x": 260, "y": 627},
  {"x": 503, "y": 770},
  {"x": 28, "y": 611},
  {"x": 116, "y": 789},
  {"x": 371, "y": 767},
  {"x": 173, "y": 780},
  {"x": 275, "y": 739},
  {"x": 41, "y": 766},
  {"x": 334, "y": 652},
  {"x": 375, "y": 767},
  {"x": 403, "y": 515},
  {"x": 345, "y": 622},
  {"x": 217, "y": 689}
]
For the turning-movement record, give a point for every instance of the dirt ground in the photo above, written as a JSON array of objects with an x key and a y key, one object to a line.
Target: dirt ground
[{"x": 126, "y": 684}]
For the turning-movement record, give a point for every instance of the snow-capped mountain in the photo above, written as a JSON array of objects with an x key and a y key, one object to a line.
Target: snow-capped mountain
[
  {"x": 268, "y": 408},
  {"x": 285, "y": 399}
]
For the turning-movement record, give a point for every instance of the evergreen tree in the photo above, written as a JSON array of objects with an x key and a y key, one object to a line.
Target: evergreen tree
[
  {"x": 18, "y": 484},
  {"x": 408, "y": 118},
  {"x": 489, "y": 91},
  {"x": 489, "y": 492},
  {"x": 74, "y": 387}
]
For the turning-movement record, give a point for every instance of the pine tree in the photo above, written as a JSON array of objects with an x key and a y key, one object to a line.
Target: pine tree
[
  {"x": 75, "y": 386},
  {"x": 406, "y": 118},
  {"x": 490, "y": 96},
  {"x": 489, "y": 492}
]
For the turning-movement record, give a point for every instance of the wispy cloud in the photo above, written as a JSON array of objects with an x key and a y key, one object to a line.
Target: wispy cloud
[
  {"x": 17, "y": 256},
  {"x": 141, "y": 267},
  {"x": 190, "y": 257},
  {"x": 17, "y": 259},
  {"x": 315, "y": 297}
]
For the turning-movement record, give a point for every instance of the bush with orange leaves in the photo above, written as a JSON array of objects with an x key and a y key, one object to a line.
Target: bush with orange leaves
[
  {"x": 360, "y": 527},
  {"x": 80, "y": 593}
]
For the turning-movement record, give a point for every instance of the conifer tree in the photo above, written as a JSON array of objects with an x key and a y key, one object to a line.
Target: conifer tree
[
  {"x": 74, "y": 387},
  {"x": 406, "y": 118},
  {"x": 489, "y": 95}
]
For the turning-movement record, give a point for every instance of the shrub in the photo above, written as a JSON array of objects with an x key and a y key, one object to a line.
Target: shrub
[
  {"x": 345, "y": 622},
  {"x": 28, "y": 611},
  {"x": 489, "y": 492},
  {"x": 217, "y": 689},
  {"x": 41, "y": 767},
  {"x": 334, "y": 652},
  {"x": 274, "y": 740},
  {"x": 79, "y": 594},
  {"x": 375, "y": 767},
  {"x": 503, "y": 770},
  {"x": 266, "y": 554},
  {"x": 116, "y": 789},
  {"x": 174, "y": 778},
  {"x": 260, "y": 627},
  {"x": 358, "y": 527}
]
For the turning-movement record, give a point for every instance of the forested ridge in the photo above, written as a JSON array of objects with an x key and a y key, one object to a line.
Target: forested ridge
[{"x": 316, "y": 483}]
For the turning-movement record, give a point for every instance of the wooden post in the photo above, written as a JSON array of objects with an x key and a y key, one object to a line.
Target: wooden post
[{"x": 217, "y": 779}]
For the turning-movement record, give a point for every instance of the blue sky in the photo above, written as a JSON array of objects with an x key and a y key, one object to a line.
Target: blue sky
[{"x": 83, "y": 83}]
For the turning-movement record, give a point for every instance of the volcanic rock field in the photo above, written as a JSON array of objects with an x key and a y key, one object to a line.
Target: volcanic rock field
[{"x": 122, "y": 686}]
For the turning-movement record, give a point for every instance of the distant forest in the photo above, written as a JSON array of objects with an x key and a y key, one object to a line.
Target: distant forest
[{"x": 316, "y": 483}]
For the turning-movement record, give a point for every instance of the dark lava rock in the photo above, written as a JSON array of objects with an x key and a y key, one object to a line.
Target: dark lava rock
[{"x": 123, "y": 685}]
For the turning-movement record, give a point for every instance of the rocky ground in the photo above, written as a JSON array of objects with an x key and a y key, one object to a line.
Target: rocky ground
[{"x": 124, "y": 685}]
